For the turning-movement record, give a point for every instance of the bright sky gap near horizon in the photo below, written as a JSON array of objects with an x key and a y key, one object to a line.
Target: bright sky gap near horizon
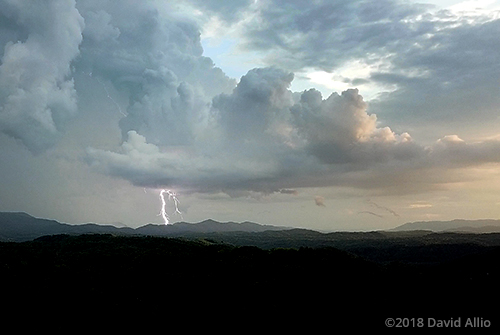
[{"x": 329, "y": 115}]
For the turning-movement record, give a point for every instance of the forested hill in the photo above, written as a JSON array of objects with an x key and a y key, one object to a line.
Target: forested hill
[{"x": 99, "y": 281}]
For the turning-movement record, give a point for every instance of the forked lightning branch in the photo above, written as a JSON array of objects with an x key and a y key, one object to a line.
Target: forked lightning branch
[{"x": 171, "y": 197}]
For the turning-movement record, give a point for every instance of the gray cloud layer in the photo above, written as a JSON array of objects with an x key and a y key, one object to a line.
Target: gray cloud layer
[
  {"x": 324, "y": 34},
  {"x": 421, "y": 54},
  {"x": 189, "y": 126},
  {"x": 37, "y": 94}
]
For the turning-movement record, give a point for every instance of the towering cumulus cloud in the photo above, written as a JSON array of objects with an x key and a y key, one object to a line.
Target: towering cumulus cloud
[
  {"x": 154, "y": 56},
  {"x": 339, "y": 130},
  {"x": 185, "y": 124},
  {"x": 263, "y": 137},
  {"x": 241, "y": 146},
  {"x": 39, "y": 41}
]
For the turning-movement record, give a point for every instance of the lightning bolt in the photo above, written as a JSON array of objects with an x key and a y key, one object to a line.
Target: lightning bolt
[
  {"x": 108, "y": 95},
  {"x": 171, "y": 197}
]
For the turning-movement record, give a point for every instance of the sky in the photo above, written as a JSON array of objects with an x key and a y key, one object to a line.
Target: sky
[{"x": 328, "y": 115}]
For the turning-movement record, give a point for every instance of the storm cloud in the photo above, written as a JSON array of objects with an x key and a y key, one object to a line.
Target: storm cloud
[
  {"x": 126, "y": 94},
  {"x": 263, "y": 137},
  {"x": 37, "y": 94},
  {"x": 414, "y": 53},
  {"x": 188, "y": 125}
]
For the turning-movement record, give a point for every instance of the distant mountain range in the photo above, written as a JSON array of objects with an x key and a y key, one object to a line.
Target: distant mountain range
[
  {"x": 18, "y": 227},
  {"x": 459, "y": 225}
]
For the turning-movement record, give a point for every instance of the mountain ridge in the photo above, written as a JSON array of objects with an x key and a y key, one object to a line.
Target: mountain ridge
[
  {"x": 21, "y": 226},
  {"x": 456, "y": 225}
]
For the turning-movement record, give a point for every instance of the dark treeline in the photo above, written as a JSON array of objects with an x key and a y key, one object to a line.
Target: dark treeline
[{"x": 119, "y": 278}]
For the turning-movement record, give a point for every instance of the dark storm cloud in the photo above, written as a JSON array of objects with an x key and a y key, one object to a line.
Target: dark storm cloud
[
  {"x": 422, "y": 53},
  {"x": 244, "y": 145},
  {"x": 155, "y": 57},
  {"x": 458, "y": 71},
  {"x": 37, "y": 95},
  {"x": 264, "y": 139},
  {"x": 324, "y": 34},
  {"x": 189, "y": 126},
  {"x": 260, "y": 99}
]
